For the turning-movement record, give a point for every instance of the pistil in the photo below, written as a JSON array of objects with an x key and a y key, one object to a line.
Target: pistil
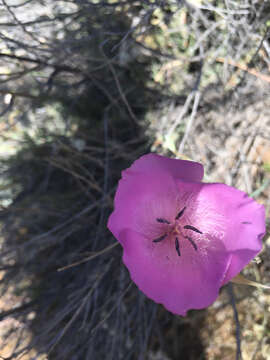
[
  {"x": 174, "y": 230},
  {"x": 190, "y": 227},
  {"x": 181, "y": 212},
  {"x": 177, "y": 248},
  {"x": 163, "y": 221},
  {"x": 192, "y": 242},
  {"x": 160, "y": 238}
]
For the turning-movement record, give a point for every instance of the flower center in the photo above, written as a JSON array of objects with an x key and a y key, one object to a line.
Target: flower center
[{"x": 174, "y": 230}]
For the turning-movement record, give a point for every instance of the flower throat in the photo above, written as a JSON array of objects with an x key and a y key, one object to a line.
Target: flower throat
[{"x": 175, "y": 231}]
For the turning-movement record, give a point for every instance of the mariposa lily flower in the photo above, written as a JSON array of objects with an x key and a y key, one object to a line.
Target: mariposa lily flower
[{"x": 183, "y": 239}]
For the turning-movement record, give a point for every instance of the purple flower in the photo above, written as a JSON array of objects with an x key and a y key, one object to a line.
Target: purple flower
[{"x": 182, "y": 238}]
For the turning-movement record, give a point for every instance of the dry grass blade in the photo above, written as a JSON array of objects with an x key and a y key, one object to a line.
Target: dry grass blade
[{"x": 91, "y": 257}]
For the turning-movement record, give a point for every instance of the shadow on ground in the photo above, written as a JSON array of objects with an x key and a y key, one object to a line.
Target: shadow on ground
[{"x": 76, "y": 305}]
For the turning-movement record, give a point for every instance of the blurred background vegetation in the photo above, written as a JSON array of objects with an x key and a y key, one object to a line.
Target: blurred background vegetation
[{"x": 87, "y": 86}]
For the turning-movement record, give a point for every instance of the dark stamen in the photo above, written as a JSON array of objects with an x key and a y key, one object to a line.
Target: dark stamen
[
  {"x": 192, "y": 242},
  {"x": 180, "y": 213},
  {"x": 160, "y": 238},
  {"x": 246, "y": 222},
  {"x": 190, "y": 227},
  {"x": 177, "y": 246},
  {"x": 162, "y": 221}
]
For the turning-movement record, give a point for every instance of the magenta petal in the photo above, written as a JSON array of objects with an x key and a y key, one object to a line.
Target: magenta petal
[
  {"x": 183, "y": 239},
  {"x": 180, "y": 284},
  {"x": 141, "y": 199},
  {"x": 180, "y": 169},
  {"x": 240, "y": 223}
]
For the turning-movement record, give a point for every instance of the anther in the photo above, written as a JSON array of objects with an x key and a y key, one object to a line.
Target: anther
[
  {"x": 190, "y": 227},
  {"x": 177, "y": 246},
  {"x": 162, "y": 221},
  {"x": 192, "y": 242},
  {"x": 180, "y": 213},
  {"x": 160, "y": 238}
]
